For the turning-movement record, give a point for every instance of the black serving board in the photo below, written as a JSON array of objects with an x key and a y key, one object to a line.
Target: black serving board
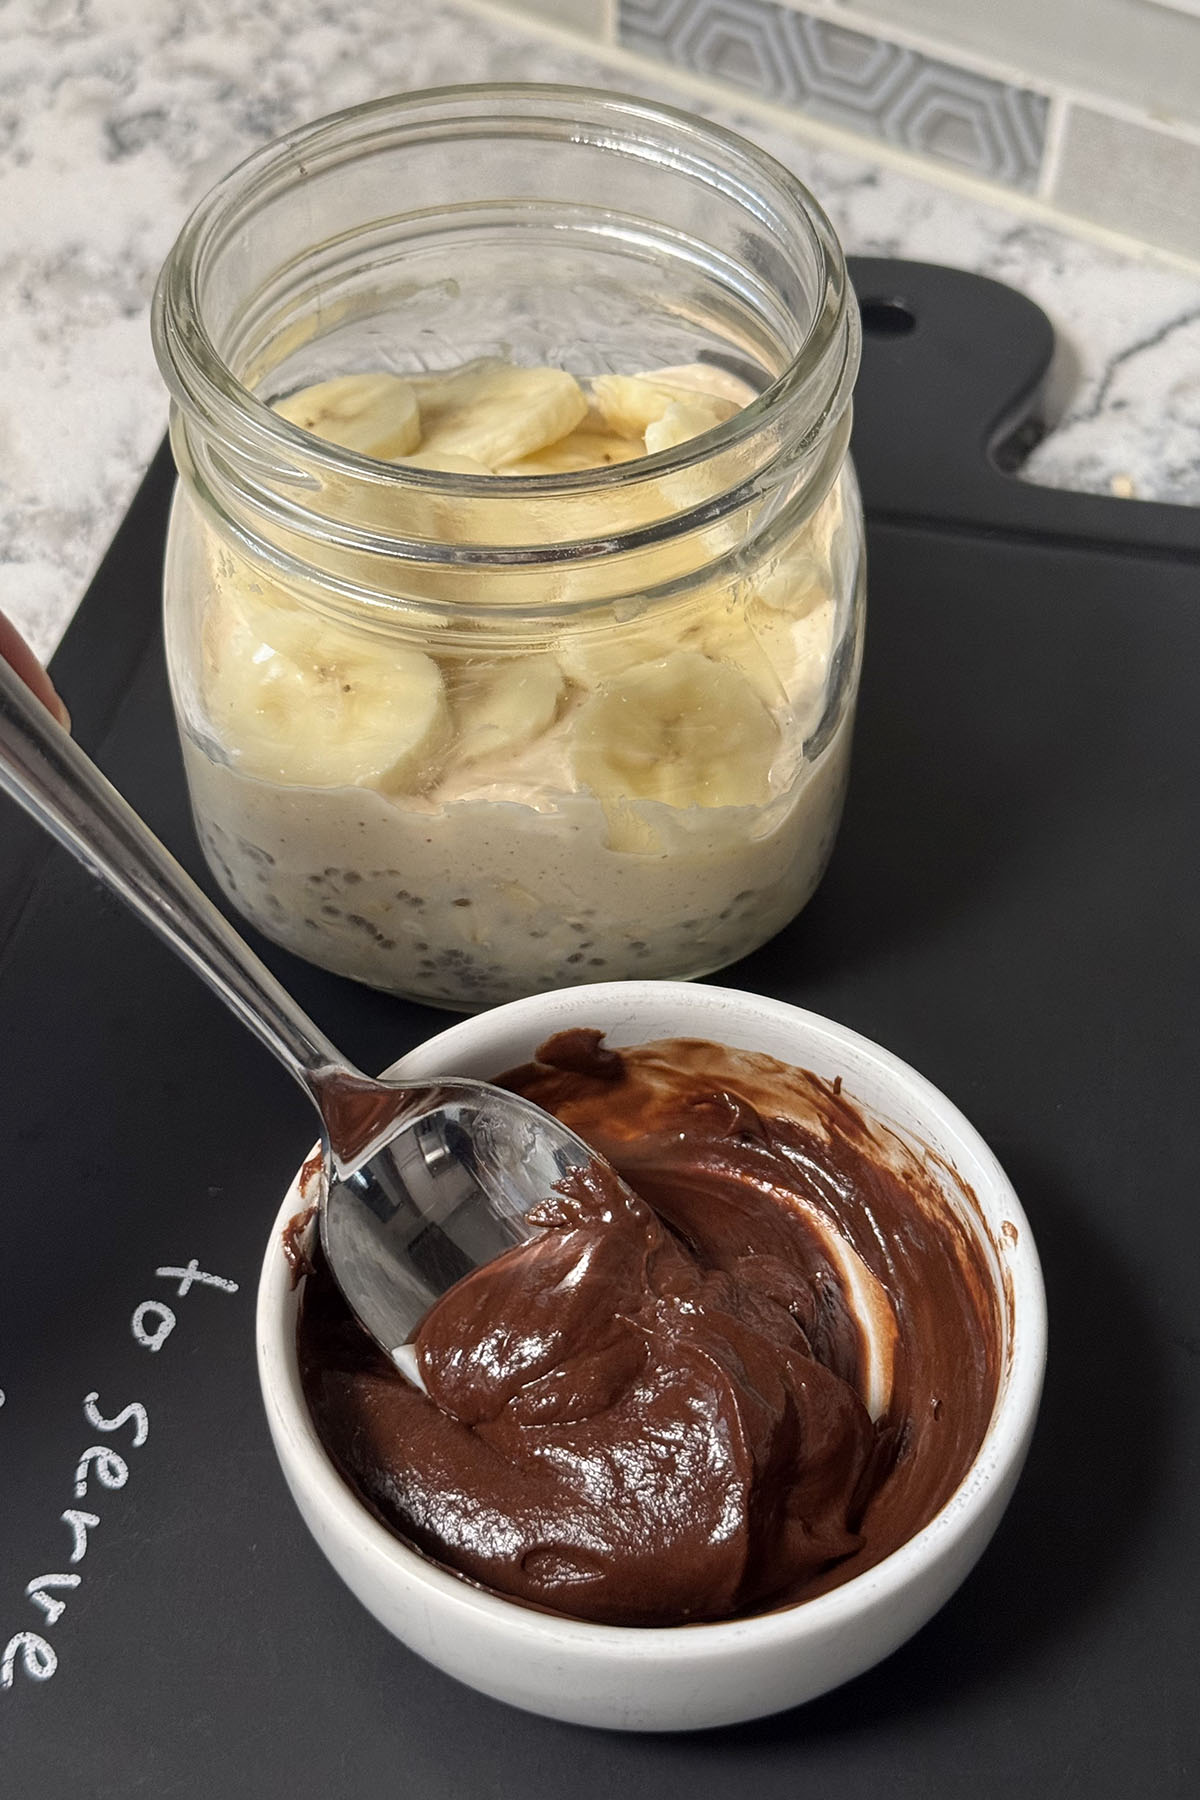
[{"x": 1013, "y": 906}]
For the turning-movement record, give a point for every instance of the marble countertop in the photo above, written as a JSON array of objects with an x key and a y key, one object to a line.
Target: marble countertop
[{"x": 116, "y": 116}]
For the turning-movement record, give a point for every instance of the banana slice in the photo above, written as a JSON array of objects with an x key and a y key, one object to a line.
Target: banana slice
[
  {"x": 252, "y": 607},
  {"x": 505, "y": 706},
  {"x": 783, "y": 654},
  {"x": 683, "y": 419},
  {"x": 684, "y": 730},
  {"x": 444, "y": 462},
  {"x": 376, "y": 415},
  {"x": 594, "y": 658},
  {"x": 705, "y": 378},
  {"x": 808, "y": 569},
  {"x": 795, "y": 584},
  {"x": 498, "y": 414},
  {"x": 306, "y": 704},
  {"x": 630, "y": 404},
  {"x": 578, "y": 450}
]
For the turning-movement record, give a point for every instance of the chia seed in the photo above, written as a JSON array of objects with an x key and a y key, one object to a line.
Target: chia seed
[{"x": 255, "y": 852}]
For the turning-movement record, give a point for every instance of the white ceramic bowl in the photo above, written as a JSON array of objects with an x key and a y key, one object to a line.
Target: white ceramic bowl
[{"x": 679, "y": 1678}]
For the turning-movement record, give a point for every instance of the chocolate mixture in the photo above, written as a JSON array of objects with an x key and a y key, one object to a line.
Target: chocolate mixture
[{"x": 660, "y": 1409}]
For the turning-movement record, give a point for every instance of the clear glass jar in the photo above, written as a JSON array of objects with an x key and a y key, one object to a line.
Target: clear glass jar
[{"x": 465, "y": 736}]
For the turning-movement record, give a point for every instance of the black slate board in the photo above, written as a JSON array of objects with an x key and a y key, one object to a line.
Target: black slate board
[{"x": 1012, "y": 906}]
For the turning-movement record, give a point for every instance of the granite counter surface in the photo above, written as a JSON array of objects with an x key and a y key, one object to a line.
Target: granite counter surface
[{"x": 116, "y": 116}]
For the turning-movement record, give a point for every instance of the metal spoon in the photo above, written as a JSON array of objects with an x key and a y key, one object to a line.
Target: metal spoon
[{"x": 423, "y": 1181}]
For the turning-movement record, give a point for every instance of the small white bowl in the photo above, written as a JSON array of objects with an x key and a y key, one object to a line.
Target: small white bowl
[{"x": 685, "y": 1677}]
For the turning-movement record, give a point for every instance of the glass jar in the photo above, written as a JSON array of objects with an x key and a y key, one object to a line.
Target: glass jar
[{"x": 466, "y": 735}]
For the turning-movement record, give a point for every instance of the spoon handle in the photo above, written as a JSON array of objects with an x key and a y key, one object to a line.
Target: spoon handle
[{"x": 47, "y": 773}]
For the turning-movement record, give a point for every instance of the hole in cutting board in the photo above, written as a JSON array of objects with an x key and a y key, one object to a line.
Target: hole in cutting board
[{"x": 887, "y": 318}]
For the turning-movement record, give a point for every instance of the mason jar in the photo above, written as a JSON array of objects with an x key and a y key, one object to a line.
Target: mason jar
[{"x": 464, "y": 718}]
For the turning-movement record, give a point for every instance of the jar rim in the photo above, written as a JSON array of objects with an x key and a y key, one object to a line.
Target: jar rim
[{"x": 810, "y": 391}]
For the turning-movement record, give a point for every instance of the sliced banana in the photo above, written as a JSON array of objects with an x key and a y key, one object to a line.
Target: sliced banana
[
  {"x": 682, "y": 421},
  {"x": 304, "y": 703},
  {"x": 504, "y": 706},
  {"x": 497, "y": 414},
  {"x": 805, "y": 571},
  {"x": 683, "y": 730},
  {"x": 676, "y": 710},
  {"x": 423, "y": 512},
  {"x": 444, "y": 462},
  {"x": 794, "y": 584},
  {"x": 594, "y": 657},
  {"x": 784, "y": 655},
  {"x": 581, "y": 449},
  {"x": 705, "y": 378},
  {"x": 258, "y": 609},
  {"x": 374, "y": 414},
  {"x": 630, "y": 404}
]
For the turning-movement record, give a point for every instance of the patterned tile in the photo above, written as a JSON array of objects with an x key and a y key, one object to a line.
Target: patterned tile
[{"x": 867, "y": 84}]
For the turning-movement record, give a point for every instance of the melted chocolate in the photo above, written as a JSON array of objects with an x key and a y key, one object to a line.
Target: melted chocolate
[{"x": 653, "y": 1412}]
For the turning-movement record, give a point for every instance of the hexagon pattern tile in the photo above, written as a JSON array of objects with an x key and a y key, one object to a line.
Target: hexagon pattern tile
[{"x": 976, "y": 122}]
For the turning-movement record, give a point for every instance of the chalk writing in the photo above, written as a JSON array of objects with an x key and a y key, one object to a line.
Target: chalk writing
[
  {"x": 109, "y": 1469},
  {"x": 194, "y": 1272},
  {"x": 36, "y": 1591},
  {"x": 37, "y": 1658},
  {"x": 141, "y": 1424},
  {"x": 152, "y": 1324},
  {"x": 79, "y": 1524},
  {"x": 155, "y": 1339}
]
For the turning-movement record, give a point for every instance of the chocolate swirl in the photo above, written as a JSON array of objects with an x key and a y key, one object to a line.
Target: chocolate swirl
[{"x": 659, "y": 1410}]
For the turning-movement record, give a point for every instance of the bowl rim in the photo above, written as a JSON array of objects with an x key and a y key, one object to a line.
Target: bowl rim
[{"x": 998, "y": 1458}]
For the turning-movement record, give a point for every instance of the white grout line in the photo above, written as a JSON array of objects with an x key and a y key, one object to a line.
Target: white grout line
[
  {"x": 1052, "y": 149},
  {"x": 891, "y": 31},
  {"x": 950, "y": 56},
  {"x": 956, "y": 56},
  {"x": 805, "y": 128}
]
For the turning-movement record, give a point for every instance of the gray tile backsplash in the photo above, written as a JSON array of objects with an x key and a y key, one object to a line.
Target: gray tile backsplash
[
  {"x": 976, "y": 122},
  {"x": 1028, "y": 127},
  {"x": 1141, "y": 181}
]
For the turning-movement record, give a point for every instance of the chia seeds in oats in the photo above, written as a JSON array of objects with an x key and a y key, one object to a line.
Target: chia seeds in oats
[{"x": 494, "y": 891}]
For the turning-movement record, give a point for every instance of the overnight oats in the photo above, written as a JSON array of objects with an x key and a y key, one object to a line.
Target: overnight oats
[{"x": 514, "y": 589}]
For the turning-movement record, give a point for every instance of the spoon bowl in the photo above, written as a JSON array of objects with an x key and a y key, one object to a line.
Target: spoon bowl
[{"x": 444, "y": 1185}]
